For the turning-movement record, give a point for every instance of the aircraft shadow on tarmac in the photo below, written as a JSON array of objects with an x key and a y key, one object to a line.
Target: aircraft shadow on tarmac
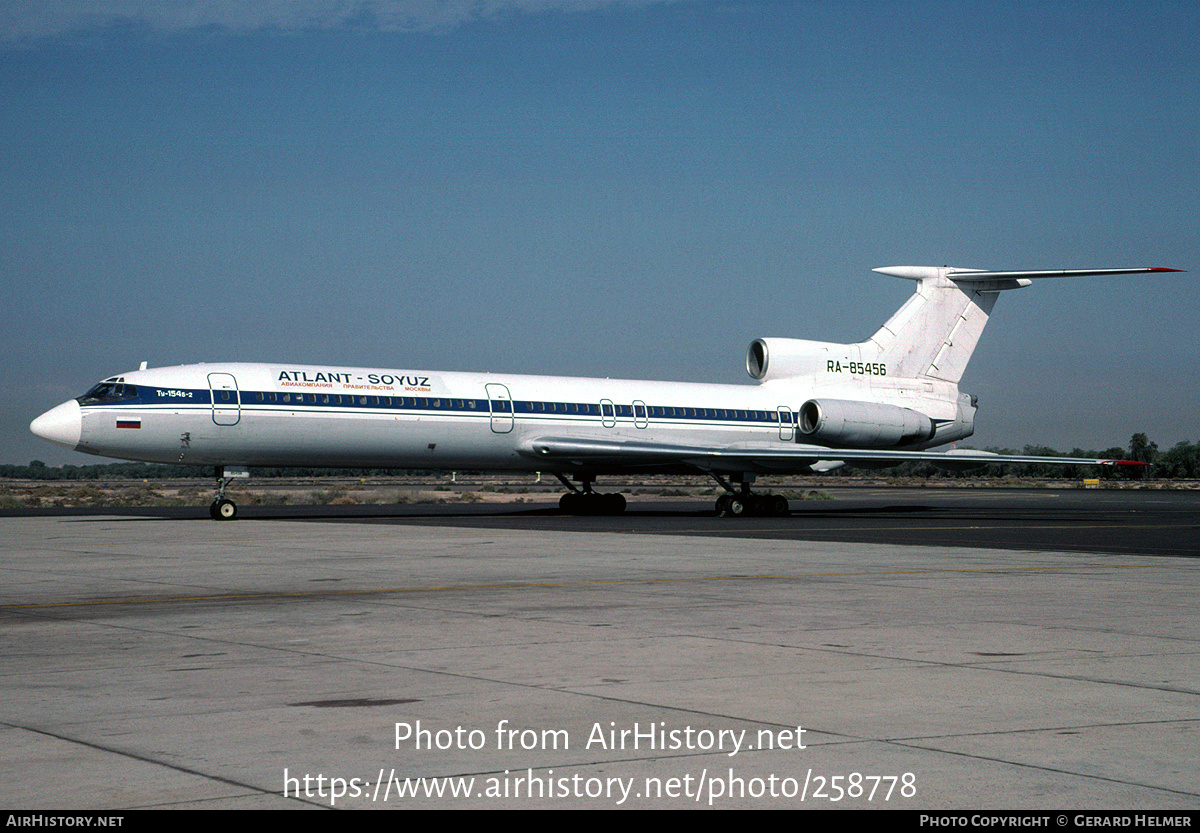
[{"x": 1142, "y": 523}]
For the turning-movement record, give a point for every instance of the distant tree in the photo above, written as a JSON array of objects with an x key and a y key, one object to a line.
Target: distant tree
[
  {"x": 1141, "y": 450},
  {"x": 1181, "y": 461}
]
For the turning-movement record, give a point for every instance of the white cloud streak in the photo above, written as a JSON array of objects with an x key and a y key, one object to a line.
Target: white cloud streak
[{"x": 28, "y": 21}]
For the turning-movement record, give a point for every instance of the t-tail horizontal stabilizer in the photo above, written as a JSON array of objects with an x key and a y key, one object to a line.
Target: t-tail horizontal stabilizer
[
  {"x": 920, "y": 273},
  {"x": 934, "y": 334}
]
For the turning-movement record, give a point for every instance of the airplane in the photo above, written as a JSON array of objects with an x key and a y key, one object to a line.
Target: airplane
[{"x": 815, "y": 406}]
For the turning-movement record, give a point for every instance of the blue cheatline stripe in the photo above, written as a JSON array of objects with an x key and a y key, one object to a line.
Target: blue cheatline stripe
[{"x": 256, "y": 400}]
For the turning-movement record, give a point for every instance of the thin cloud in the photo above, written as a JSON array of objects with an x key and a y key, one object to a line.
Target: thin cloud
[{"x": 28, "y": 21}]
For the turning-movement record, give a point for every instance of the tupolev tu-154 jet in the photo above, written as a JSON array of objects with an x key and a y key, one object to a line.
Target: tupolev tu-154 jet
[{"x": 814, "y": 406}]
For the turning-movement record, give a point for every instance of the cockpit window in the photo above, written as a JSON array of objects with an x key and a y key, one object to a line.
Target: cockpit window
[{"x": 107, "y": 392}]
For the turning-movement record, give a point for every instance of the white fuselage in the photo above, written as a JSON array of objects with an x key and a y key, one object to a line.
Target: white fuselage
[
  {"x": 816, "y": 405},
  {"x": 297, "y": 415}
]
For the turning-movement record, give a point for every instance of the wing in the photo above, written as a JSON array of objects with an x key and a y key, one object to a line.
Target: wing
[{"x": 630, "y": 455}]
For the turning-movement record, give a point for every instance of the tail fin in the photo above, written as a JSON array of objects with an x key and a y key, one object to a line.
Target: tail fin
[{"x": 936, "y": 330}]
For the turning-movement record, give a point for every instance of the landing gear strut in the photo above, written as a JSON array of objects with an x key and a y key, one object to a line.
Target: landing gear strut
[
  {"x": 222, "y": 508},
  {"x": 742, "y": 502},
  {"x": 587, "y": 502}
]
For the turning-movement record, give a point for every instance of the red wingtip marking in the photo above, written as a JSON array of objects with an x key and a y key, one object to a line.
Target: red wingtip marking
[
  {"x": 1164, "y": 269},
  {"x": 1125, "y": 463}
]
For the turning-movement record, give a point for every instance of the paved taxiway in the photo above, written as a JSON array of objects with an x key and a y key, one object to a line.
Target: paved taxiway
[{"x": 158, "y": 662}]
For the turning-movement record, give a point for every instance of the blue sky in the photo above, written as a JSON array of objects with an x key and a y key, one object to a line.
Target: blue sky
[{"x": 633, "y": 189}]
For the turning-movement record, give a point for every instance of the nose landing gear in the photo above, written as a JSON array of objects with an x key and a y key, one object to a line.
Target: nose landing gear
[{"x": 222, "y": 508}]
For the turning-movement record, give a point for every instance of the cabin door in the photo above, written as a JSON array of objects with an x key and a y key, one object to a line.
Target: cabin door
[
  {"x": 501, "y": 406},
  {"x": 226, "y": 401},
  {"x": 786, "y": 425}
]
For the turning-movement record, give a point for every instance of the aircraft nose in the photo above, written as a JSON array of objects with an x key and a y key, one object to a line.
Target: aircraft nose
[{"x": 61, "y": 425}]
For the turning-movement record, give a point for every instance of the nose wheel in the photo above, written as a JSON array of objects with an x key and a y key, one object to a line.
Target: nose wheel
[{"x": 222, "y": 508}]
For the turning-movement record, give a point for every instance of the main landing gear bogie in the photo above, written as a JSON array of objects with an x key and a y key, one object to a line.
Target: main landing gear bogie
[
  {"x": 740, "y": 502},
  {"x": 592, "y": 503},
  {"x": 586, "y": 502},
  {"x": 751, "y": 505}
]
